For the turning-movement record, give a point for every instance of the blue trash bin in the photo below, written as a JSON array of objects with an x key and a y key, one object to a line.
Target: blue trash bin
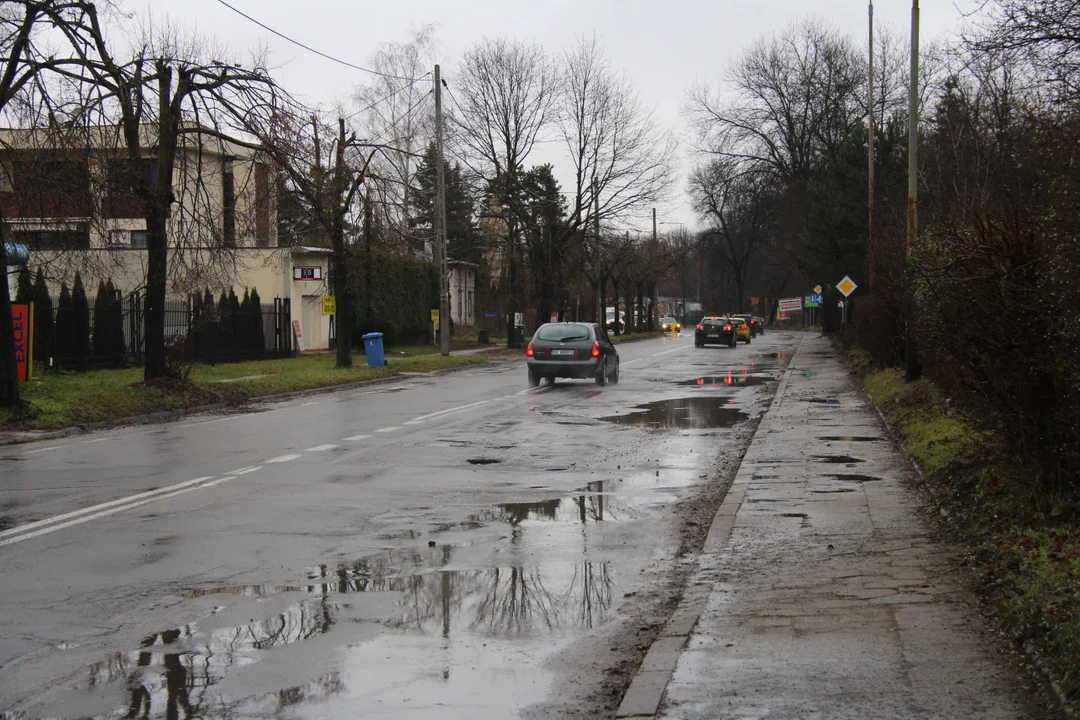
[{"x": 374, "y": 349}]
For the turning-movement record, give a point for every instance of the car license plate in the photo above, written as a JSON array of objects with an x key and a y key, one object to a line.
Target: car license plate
[
  {"x": 562, "y": 352},
  {"x": 715, "y": 335}
]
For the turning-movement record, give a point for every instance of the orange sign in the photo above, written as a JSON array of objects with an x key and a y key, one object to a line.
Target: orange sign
[{"x": 21, "y": 316}]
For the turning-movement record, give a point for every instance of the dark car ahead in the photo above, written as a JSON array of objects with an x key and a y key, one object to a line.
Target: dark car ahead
[
  {"x": 714, "y": 331},
  {"x": 572, "y": 350},
  {"x": 759, "y": 324}
]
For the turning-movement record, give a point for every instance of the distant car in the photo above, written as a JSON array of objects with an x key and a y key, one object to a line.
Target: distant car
[
  {"x": 667, "y": 321},
  {"x": 714, "y": 331},
  {"x": 572, "y": 350},
  {"x": 609, "y": 320},
  {"x": 742, "y": 329},
  {"x": 759, "y": 323},
  {"x": 751, "y": 322}
]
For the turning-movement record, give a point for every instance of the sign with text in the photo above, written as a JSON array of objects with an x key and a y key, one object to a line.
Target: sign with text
[
  {"x": 813, "y": 300},
  {"x": 555, "y": 317},
  {"x": 307, "y": 273},
  {"x": 329, "y": 305},
  {"x": 519, "y": 320},
  {"x": 435, "y": 318},
  {"x": 22, "y": 317},
  {"x": 299, "y": 337},
  {"x": 789, "y": 304}
]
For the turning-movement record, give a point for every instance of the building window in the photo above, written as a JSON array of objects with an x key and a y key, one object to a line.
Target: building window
[
  {"x": 138, "y": 239},
  {"x": 228, "y": 204},
  {"x": 78, "y": 239}
]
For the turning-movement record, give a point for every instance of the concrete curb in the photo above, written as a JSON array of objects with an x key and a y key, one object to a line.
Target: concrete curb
[
  {"x": 172, "y": 415},
  {"x": 646, "y": 691}
]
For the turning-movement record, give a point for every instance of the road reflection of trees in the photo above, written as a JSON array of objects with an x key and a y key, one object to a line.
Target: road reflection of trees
[
  {"x": 588, "y": 505},
  {"x": 173, "y": 672}
]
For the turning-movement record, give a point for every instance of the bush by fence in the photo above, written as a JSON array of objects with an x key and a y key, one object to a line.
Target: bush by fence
[{"x": 403, "y": 291}]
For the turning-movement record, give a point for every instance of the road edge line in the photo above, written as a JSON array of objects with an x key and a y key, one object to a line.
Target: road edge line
[{"x": 646, "y": 691}]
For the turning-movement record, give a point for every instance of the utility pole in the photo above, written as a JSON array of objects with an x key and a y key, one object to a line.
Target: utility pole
[
  {"x": 870, "y": 105},
  {"x": 440, "y": 222},
  {"x": 911, "y": 361},
  {"x": 652, "y": 307},
  {"x": 599, "y": 265}
]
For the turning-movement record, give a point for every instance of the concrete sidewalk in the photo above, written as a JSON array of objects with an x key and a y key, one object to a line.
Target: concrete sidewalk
[{"x": 820, "y": 592}]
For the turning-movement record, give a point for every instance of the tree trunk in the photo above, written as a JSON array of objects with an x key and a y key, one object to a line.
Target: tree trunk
[
  {"x": 639, "y": 322},
  {"x": 341, "y": 265},
  {"x": 615, "y": 302},
  {"x": 9, "y": 369},
  {"x": 511, "y": 295}
]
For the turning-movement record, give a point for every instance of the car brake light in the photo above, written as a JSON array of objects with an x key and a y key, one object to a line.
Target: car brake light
[
  {"x": 727, "y": 328},
  {"x": 700, "y": 327},
  {"x": 596, "y": 348},
  {"x": 529, "y": 351}
]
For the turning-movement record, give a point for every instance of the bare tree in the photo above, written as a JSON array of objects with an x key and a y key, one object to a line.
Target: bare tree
[
  {"x": 26, "y": 61},
  {"x": 619, "y": 153},
  {"x": 507, "y": 94},
  {"x": 1049, "y": 30},
  {"x": 737, "y": 201},
  {"x": 392, "y": 111},
  {"x": 172, "y": 96}
]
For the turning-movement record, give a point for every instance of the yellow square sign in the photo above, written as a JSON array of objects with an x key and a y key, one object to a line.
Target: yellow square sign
[
  {"x": 329, "y": 305},
  {"x": 435, "y": 318},
  {"x": 846, "y": 286}
]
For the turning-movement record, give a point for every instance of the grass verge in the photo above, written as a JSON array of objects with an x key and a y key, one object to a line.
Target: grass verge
[
  {"x": 66, "y": 399},
  {"x": 1024, "y": 538}
]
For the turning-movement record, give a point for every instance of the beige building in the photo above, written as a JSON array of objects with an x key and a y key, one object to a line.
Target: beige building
[{"x": 73, "y": 203}]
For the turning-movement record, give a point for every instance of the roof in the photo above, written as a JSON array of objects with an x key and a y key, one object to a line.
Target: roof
[{"x": 310, "y": 250}]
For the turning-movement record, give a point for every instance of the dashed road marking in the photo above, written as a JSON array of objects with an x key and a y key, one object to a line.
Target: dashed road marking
[
  {"x": 440, "y": 413},
  {"x": 323, "y": 448},
  {"x": 283, "y": 459},
  {"x": 245, "y": 471},
  {"x": 355, "y": 438},
  {"x": 46, "y": 449},
  {"x": 149, "y": 496},
  {"x": 392, "y": 428},
  {"x": 212, "y": 483}
]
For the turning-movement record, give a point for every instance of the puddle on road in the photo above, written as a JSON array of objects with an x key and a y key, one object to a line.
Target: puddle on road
[
  {"x": 590, "y": 504},
  {"x": 775, "y": 355},
  {"x": 728, "y": 380},
  {"x": 822, "y": 401},
  {"x": 849, "y": 438},
  {"x": 836, "y": 459},
  {"x": 695, "y": 413},
  {"x": 484, "y": 461},
  {"x": 355, "y": 642},
  {"x": 847, "y": 477}
]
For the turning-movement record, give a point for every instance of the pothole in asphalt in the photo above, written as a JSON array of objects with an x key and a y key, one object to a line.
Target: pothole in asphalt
[
  {"x": 847, "y": 477},
  {"x": 729, "y": 380},
  {"x": 831, "y": 492},
  {"x": 696, "y": 413},
  {"x": 849, "y": 438},
  {"x": 795, "y": 515},
  {"x": 823, "y": 401},
  {"x": 484, "y": 461},
  {"x": 775, "y": 355},
  {"x": 836, "y": 459},
  {"x": 370, "y": 613}
]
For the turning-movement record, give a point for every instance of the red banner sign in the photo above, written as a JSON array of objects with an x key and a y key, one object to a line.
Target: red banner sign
[{"x": 20, "y": 315}]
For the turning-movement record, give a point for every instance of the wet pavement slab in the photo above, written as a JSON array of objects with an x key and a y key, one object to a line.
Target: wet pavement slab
[
  {"x": 821, "y": 591},
  {"x": 452, "y": 547}
]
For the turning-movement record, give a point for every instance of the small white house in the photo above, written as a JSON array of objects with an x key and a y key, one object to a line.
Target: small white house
[{"x": 462, "y": 293}]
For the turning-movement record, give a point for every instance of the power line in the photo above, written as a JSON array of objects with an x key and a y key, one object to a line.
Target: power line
[
  {"x": 384, "y": 99},
  {"x": 266, "y": 27}
]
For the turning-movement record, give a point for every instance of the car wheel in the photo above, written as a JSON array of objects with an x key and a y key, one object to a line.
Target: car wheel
[
  {"x": 601, "y": 374},
  {"x": 550, "y": 380},
  {"x": 748, "y": 340},
  {"x": 615, "y": 375},
  {"x": 534, "y": 379},
  {"x": 697, "y": 344}
]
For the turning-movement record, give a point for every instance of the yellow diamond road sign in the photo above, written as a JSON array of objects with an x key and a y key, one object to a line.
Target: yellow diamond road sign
[
  {"x": 817, "y": 289},
  {"x": 846, "y": 286}
]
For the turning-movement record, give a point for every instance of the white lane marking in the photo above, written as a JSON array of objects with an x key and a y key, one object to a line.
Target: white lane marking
[
  {"x": 388, "y": 429},
  {"x": 323, "y": 448},
  {"x": 282, "y": 459},
  {"x": 313, "y": 402},
  {"x": 354, "y": 438},
  {"x": 412, "y": 422},
  {"x": 104, "y": 439},
  {"x": 534, "y": 390},
  {"x": 245, "y": 471},
  {"x": 94, "y": 508},
  {"x": 668, "y": 352},
  {"x": 46, "y": 449},
  {"x": 206, "y": 422},
  {"x": 95, "y": 516},
  {"x": 459, "y": 408},
  {"x": 632, "y": 362},
  {"x": 212, "y": 483}
]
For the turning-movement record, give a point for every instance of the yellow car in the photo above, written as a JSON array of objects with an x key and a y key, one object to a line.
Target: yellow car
[{"x": 742, "y": 330}]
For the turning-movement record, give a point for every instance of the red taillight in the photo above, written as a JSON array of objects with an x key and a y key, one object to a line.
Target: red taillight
[
  {"x": 700, "y": 327},
  {"x": 727, "y": 328},
  {"x": 596, "y": 348},
  {"x": 529, "y": 351}
]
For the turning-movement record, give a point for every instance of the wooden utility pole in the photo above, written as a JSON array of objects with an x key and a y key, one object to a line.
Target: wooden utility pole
[
  {"x": 440, "y": 222},
  {"x": 870, "y": 200},
  {"x": 911, "y": 360}
]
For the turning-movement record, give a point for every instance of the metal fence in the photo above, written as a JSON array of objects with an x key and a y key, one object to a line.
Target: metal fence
[{"x": 187, "y": 336}]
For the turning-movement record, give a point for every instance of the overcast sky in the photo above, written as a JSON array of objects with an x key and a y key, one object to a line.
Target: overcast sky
[{"x": 663, "y": 45}]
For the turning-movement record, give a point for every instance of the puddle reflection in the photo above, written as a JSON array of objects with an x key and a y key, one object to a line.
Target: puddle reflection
[
  {"x": 175, "y": 673},
  {"x": 730, "y": 379},
  {"x": 695, "y": 413}
]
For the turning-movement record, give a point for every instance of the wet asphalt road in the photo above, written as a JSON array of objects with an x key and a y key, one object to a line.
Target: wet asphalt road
[{"x": 426, "y": 548}]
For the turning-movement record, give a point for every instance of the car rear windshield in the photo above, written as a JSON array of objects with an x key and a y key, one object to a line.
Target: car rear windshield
[
  {"x": 563, "y": 333},
  {"x": 715, "y": 323}
]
